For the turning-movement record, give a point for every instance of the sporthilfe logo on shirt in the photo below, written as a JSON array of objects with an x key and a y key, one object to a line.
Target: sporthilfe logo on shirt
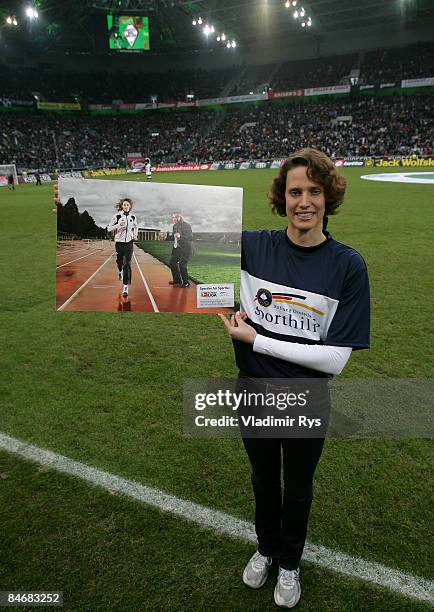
[{"x": 286, "y": 310}]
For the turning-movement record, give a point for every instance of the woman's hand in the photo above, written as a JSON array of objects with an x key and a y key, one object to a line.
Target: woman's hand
[{"x": 238, "y": 329}]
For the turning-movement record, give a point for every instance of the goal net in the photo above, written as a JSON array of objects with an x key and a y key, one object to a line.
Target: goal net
[{"x": 5, "y": 171}]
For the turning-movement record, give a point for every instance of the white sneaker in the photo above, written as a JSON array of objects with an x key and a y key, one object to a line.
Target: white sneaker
[
  {"x": 125, "y": 290},
  {"x": 120, "y": 276},
  {"x": 256, "y": 571},
  {"x": 287, "y": 591}
]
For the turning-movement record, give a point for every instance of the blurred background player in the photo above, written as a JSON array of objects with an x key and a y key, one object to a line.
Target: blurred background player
[{"x": 148, "y": 169}]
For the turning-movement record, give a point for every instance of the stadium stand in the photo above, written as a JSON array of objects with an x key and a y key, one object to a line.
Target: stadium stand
[
  {"x": 320, "y": 72},
  {"x": 400, "y": 125},
  {"x": 411, "y": 62},
  {"x": 103, "y": 87}
]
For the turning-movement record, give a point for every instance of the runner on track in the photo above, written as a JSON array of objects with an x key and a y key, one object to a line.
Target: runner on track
[{"x": 125, "y": 227}]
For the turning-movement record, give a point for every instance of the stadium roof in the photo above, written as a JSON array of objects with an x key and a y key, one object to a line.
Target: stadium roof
[{"x": 74, "y": 27}]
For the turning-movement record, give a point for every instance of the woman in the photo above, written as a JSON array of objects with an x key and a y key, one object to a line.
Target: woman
[
  {"x": 306, "y": 303},
  {"x": 124, "y": 225}
]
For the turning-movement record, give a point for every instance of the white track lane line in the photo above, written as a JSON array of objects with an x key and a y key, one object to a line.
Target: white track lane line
[
  {"x": 58, "y": 252},
  {"x": 74, "y": 251},
  {"x": 407, "y": 585},
  {"x": 151, "y": 297},
  {"x": 78, "y": 258},
  {"x": 84, "y": 284},
  {"x": 70, "y": 250}
]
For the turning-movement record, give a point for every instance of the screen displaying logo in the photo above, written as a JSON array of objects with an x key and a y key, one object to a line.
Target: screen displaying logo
[{"x": 130, "y": 34}]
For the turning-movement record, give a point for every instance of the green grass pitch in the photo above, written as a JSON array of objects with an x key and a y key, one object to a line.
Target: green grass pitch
[
  {"x": 211, "y": 263},
  {"x": 67, "y": 386}
]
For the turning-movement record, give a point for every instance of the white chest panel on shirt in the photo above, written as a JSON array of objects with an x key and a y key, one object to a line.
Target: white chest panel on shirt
[{"x": 286, "y": 310}]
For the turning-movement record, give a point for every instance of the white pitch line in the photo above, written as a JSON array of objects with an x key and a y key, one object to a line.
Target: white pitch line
[
  {"x": 78, "y": 258},
  {"x": 84, "y": 284},
  {"x": 407, "y": 585},
  {"x": 151, "y": 297}
]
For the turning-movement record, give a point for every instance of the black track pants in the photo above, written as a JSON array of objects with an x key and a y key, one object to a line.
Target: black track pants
[
  {"x": 281, "y": 524},
  {"x": 124, "y": 253}
]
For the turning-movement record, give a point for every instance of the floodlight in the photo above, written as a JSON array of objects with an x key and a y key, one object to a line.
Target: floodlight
[
  {"x": 234, "y": 44},
  {"x": 295, "y": 14},
  {"x": 194, "y": 22},
  {"x": 31, "y": 12},
  {"x": 199, "y": 21}
]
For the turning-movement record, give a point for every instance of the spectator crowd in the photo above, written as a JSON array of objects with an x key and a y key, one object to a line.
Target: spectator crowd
[{"x": 344, "y": 126}]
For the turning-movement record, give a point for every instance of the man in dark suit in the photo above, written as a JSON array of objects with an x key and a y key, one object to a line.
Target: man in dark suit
[{"x": 181, "y": 252}]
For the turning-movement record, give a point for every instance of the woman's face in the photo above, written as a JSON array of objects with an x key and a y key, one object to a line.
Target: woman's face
[
  {"x": 126, "y": 206},
  {"x": 305, "y": 201}
]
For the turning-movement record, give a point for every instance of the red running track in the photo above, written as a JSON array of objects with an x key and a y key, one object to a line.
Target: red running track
[{"x": 87, "y": 280}]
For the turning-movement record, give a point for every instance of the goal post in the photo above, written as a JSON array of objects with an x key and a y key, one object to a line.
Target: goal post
[{"x": 5, "y": 171}]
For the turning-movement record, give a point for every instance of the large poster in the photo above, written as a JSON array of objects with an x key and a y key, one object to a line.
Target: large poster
[{"x": 147, "y": 247}]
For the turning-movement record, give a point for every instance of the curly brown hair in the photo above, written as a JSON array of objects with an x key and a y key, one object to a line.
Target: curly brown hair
[
  {"x": 321, "y": 170},
  {"x": 119, "y": 204}
]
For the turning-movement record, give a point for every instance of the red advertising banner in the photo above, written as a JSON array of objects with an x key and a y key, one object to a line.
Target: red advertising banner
[
  {"x": 180, "y": 168},
  {"x": 285, "y": 94},
  {"x": 137, "y": 164}
]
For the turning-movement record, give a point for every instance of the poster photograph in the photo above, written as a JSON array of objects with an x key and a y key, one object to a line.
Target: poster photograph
[{"x": 147, "y": 247}]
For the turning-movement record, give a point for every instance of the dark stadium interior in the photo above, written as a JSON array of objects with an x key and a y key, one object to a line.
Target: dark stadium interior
[
  {"x": 377, "y": 66},
  {"x": 63, "y": 58},
  {"x": 70, "y": 26}
]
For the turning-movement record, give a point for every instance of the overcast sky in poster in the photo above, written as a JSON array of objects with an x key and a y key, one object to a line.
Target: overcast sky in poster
[{"x": 206, "y": 208}]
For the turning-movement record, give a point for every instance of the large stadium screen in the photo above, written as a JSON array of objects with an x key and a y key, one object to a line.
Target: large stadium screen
[{"x": 127, "y": 33}]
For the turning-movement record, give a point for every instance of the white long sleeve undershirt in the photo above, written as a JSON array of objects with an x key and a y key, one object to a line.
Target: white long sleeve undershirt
[{"x": 321, "y": 357}]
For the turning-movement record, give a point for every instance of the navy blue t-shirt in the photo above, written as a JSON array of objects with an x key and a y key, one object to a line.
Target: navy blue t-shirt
[{"x": 311, "y": 295}]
